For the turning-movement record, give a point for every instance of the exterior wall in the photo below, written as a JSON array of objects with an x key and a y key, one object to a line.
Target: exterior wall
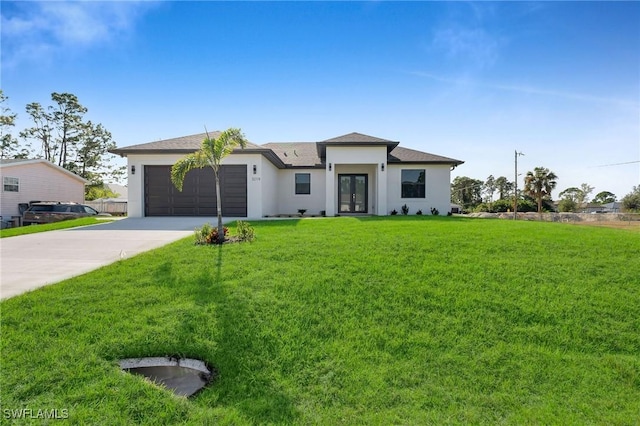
[
  {"x": 289, "y": 202},
  {"x": 38, "y": 182},
  {"x": 269, "y": 181},
  {"x": 437, "y": 189},
  {"x": 136, "y": 181},
  {"x": 374, "y": 157}
]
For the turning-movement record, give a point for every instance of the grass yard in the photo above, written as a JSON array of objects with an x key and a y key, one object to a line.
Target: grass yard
[
  {"x": 65, "y": 224},
  {"x": 403, "y": 320}
]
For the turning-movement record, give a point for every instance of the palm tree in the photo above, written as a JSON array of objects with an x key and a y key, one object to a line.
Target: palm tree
[
  {"x": 210, "y": 154},
  {"x": 539, "y": 184}
]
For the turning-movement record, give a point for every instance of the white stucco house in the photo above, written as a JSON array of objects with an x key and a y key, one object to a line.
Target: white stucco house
[
  {"x": 352, "y": 174},
  {"x": 36, "y": 180}
]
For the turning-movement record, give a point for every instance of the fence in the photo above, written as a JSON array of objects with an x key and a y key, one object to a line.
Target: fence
[{"x": 114, "y": 207}]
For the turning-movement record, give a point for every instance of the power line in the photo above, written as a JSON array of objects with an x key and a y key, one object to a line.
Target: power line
[{"x": 617, "y": 164}]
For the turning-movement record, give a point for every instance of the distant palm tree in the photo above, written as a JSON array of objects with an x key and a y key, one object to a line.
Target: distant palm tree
[
  {"x": 210, "y": 154},
  {"x": 539, "y": 184}
]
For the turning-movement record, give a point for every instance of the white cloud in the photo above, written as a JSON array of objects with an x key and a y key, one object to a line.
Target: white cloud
[
  {"x": 473, "y": 46},
  {"x": 528, "y": 90},
  {"x": 33, "y": 31}
]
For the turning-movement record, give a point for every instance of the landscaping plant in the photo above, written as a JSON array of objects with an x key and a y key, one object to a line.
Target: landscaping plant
[
  {"x": 211, "y": 153},
  {"x": 245, "y": 231}
]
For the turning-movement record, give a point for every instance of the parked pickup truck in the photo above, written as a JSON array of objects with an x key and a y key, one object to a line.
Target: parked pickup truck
[{"x": 48, "y": 212}]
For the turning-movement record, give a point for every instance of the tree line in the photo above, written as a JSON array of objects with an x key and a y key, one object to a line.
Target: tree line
[
  {"x": 497, "y": 194},
  {"x": 62, "y": 135}
]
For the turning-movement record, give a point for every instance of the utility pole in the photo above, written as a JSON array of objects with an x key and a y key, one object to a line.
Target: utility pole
[{"x": 515, "y": 194}]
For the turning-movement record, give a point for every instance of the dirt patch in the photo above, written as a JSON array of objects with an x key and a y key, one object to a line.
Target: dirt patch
[{"x": 633, "y": 226}]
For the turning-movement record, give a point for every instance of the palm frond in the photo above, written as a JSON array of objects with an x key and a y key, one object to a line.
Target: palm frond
[
  {"x": 211, "y": 153},
  {"x": 183, "y": 166},
  {"x": 224, "y": 144}
]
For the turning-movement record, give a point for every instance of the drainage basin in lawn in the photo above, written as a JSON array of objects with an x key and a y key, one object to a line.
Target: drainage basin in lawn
[{"x": 183, "y": 376}]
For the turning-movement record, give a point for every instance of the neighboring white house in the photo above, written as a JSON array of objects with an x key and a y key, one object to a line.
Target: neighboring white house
[
  {"x": 36, "y": 180},
  {"x": 351, "y": 174}
]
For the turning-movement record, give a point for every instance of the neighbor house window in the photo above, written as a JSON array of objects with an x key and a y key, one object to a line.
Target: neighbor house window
[
  {"x": 303, "y": 183},
  {"x": 413, "y": 183},
  {"x": 11, "y": 184}
]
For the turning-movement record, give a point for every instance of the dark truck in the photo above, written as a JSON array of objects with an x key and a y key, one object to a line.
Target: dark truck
[{"x": 48, "y": 212}]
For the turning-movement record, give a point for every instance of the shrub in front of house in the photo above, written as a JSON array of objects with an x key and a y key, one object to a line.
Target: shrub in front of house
[
  {"x": 201, "y": 234},
  {"x": 213, "y": 236},
  {"x": 208, "y": 234},
  {"x": 245, "y": 231}
]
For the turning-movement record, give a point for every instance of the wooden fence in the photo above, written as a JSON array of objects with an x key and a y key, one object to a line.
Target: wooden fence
[{"x": 116, "y": 208}]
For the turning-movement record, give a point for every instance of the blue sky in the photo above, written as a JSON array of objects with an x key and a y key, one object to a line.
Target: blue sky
[{"x": 559, "y": 81}]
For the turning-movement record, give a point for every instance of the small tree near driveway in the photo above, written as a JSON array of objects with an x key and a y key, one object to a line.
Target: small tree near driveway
[{"x": 210, "y": 154}]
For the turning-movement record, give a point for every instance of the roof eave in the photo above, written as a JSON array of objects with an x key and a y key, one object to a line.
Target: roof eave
[
  {"x": 322, "y": 146},
  {"x": 451, "y": 163},
  {"x": 314, "y": 166},
  {"x": 269, "y": 154},
  {"x": 48, "y": 164},
  {"x": 123, "y": 152}
]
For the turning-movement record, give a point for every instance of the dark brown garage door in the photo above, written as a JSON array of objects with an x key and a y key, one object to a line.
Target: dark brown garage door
[{"x": 198, "y": 196}]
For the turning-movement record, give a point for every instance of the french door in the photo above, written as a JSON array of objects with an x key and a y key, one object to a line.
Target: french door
[{"x": 352, "y": 193}]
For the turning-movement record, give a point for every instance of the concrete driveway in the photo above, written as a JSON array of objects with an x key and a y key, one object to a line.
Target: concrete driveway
[{"x": 31, "y": 261}]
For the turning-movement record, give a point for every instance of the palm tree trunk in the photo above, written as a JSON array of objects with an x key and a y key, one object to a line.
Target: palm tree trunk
[{"x": 219, "y": 207}]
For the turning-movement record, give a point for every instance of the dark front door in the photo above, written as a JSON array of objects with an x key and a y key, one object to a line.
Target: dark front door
[{"x": 352, "y": 194}]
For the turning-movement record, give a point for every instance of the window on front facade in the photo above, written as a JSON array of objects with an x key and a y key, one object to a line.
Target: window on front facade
[
  {"x": 11, "y": 184},
  {"x": 413, "y": 183},
  {"x": 303, "y": 183}
]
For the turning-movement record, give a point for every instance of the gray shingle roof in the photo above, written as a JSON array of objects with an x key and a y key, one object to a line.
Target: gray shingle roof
[
  {"x": 406, "y": 155},
  {"x": 296, "y": 154},
  {"x": 291, "y": 154},
  {"x": 357, "y": 138},
  {"x": 182, "y": 144}
]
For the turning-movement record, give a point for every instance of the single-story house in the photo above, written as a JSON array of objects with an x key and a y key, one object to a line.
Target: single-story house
[
  {"x": 36, "y": 180},
  {"x": 615, "y": 207},
  {"x": 351, "y": 174},
  {"x": 591, "y": 208}
]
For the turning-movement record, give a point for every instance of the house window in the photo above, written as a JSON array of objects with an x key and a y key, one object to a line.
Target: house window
[
  {"x": 303, "y": 183},
  {"x": 11, "y": 184},
  {"x": 413, "y": 183}
]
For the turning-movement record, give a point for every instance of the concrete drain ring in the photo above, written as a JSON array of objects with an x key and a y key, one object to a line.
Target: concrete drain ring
[{"x": 182, "y": 376}]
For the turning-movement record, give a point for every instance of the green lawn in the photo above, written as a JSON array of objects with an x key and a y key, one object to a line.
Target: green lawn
[
  {"x": 32, "y": 229},
  {"x": 403, "y": 320}
]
